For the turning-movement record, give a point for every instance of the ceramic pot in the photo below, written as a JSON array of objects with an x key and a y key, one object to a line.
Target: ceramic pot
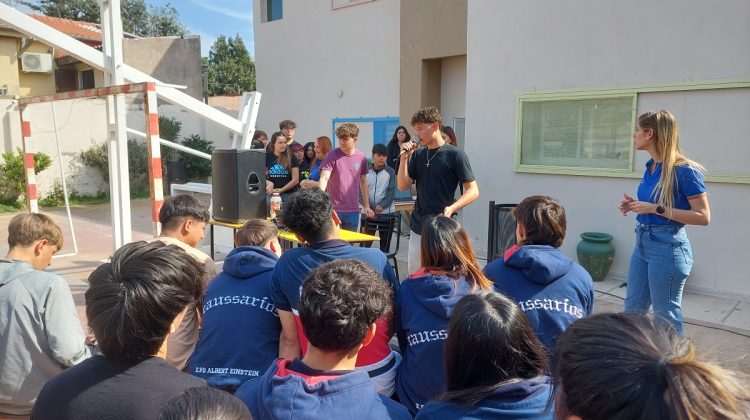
[{"x": 596, "y": 253}]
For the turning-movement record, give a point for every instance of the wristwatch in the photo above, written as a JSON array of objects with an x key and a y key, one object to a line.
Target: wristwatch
[{"x": 660, "y": 209}]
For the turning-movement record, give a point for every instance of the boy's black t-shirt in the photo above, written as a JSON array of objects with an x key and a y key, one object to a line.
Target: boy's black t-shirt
[
  {"x": 437, "y": 172},
  {"x": 277, "y": 174},
  {"x": 100, "y": 388}
]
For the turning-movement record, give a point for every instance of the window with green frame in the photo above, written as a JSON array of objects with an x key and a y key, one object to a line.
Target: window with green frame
[{"x": 591, "y": 133}]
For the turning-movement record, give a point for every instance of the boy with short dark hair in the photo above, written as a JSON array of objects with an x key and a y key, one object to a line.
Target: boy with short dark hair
[
  {"x": 289, "y": 129},
  {"x": 308, "y": 214},
  {"x": 131, "y": 305},
  {"x": 237, "y": 310},
  {"x": 343, "y": 174},
  {"x": 183, "y": 222},
  {"x": 40, "y": 334},
  {"x": 339, "y": 306},
  {"x": 381, "y": 180}
]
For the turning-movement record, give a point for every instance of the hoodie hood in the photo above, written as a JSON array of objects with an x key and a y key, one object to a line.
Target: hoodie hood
[
  {"x": 541, "y": 264},
  {"x": 284, "y": 393},
  {"x": 438, "y": 292},
  {"x": 248, "y": 261},
  {"x": 525, "y": 399}
]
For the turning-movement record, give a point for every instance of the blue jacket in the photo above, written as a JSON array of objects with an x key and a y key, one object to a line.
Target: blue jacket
[
  {"x": 241, "y": 327},
  {"x": 297, "y": 263},
  {"x": 525, "y": 400},
  {"x": 551, "y": 289},
  {"x": 423, "y": 306},
  {"x": 292, "y": 390}
]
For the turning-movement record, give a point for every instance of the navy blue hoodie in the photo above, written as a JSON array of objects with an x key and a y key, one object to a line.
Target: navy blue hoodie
[
  {"x": 423, "y": 307},
  {"x": 551, "y": 289},
  {"x": 292, "y": 390},
  {"x": 525, "y": 400},
  {"x": 241, "y": 327}
]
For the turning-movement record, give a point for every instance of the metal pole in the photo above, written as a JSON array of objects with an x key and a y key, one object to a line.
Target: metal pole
[
  {"x": 62, "y": 176},
  {"x": 118, "y": 141}
]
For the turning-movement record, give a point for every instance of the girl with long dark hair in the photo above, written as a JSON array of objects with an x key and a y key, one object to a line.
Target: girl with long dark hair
[
  {"x": 305, "y": 164},
  {"x": 494, "y": 364},
  {"x": 400, "y": 136},
  {"x": 282, "y": 168},
  {"x": 424, "y": 303}
]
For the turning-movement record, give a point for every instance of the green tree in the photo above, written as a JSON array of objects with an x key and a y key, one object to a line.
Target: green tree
[
  {"x": 137, "y": 17},
  {"x": 230, "y": 68}
]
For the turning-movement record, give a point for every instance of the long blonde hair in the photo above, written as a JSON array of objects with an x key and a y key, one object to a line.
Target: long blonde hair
[{"x": 667, "y": 147}]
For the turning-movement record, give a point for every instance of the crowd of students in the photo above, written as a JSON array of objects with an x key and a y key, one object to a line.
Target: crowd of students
[{"x": 310, "y": 333}]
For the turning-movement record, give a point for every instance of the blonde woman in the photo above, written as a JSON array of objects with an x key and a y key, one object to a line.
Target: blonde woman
[{"x": 671, "y": 195}]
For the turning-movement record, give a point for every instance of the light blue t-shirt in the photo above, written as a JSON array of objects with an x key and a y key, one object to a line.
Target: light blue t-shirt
[{"x": 688, "y": 183}]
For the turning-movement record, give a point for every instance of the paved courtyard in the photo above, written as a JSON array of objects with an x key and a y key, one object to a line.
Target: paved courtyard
[{"x": 719, "y": 325}]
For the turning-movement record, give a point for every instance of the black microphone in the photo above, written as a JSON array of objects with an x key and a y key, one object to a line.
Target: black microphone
[{"x": 413, "y": 140}]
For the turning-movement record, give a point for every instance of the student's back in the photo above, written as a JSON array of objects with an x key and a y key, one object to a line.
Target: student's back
[
  {"x": 494, "y": 364},
  {"x": 294, "y": 266},
  {"x": 292, "y": 390},
  {"x": 424, "y": 304},
  {"x": 100, "y": 388},
  {"x": 237, "y": 310},
  {"x": 423, "y": 307},
  {"x": 339, "y": 306},
  {"x": 550, "y": 288},
  {"x": 132, "y": 304}
]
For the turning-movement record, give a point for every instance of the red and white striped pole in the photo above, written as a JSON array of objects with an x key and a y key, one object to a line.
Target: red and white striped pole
[
  {"x": 28, "y": 161},
  {"x": 156, "y": 184}
]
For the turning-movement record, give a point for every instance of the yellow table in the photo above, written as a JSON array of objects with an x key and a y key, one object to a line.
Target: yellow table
[{"x": 289, "y": 239}]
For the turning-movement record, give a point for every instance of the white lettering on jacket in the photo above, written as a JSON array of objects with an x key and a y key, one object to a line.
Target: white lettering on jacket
[
  {"x": 426, "y": 336},
  {"x": 263, "y": 303},
  {"x": 554, "y": 305}
]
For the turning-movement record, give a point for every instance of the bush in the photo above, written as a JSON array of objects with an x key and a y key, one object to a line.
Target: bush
[
  {"x": 169, "y": 129},
  {"x": 196, "y": 167},
  {"x": 56, "y": 196},
  {"x": 13, "y": 174},
  {"x": 97, "y": 157}
]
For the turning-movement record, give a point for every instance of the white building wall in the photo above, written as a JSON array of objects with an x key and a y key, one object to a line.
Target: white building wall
[
  {"x": 316, "y": 64},
  {"x": 453, "y": 88},
  {"x": 516, "y": 48}
]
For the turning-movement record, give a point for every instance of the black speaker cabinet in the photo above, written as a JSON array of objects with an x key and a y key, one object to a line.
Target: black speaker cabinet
[{"x": 239, "y": 184}]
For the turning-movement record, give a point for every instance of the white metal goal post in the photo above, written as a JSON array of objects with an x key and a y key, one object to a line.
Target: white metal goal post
[{"x": 148, "y": 90}]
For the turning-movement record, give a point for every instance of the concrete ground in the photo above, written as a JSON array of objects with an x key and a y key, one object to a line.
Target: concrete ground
[{"x": 720, "y": 326}]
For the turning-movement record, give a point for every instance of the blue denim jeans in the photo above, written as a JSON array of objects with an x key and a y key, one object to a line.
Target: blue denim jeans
[
  {"x": 659, "y": 268},
  {"x": 349, "y": 220}
]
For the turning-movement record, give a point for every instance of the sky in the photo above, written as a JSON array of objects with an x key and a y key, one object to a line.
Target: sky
[{"x": 211, "y": 18}]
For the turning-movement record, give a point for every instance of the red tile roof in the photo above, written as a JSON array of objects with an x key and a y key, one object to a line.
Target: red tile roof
[{"x": 82, "y": 31}]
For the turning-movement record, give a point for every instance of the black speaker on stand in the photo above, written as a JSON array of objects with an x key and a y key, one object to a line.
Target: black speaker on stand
[{"x": 238, "y": 184}]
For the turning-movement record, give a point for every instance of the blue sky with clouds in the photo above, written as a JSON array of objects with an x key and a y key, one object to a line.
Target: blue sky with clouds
[{"x": 211, "y": 18}]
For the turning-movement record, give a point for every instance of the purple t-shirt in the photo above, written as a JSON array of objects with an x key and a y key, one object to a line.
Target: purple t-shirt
[{"x": 343, "y": 185}]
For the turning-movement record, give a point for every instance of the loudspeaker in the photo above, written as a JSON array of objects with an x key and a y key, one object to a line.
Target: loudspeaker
[{"x": 238, "y": 184}]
